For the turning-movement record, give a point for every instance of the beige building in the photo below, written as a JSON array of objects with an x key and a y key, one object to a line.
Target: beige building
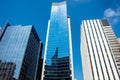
[{"x": 100, "y": 51}]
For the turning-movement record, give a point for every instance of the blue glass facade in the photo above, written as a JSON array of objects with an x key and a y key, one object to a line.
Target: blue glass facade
[
  {"x": 57, "y": 60},
  {"x": 21, "y": 45}
]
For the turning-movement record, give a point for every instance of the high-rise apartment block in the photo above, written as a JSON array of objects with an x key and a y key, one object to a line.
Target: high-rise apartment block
[
  {"x": 20, "y": 53},
  {"x": 100, "y": 51},
  {"x": 58, "y": 59}
]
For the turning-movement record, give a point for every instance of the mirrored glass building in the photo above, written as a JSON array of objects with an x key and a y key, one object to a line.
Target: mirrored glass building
[
  {"x": 58, "y": 59},
  {"x": 20, "y": 52}
]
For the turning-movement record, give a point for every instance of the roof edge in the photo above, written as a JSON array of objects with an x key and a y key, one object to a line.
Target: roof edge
[{"x": 58, "y": 3}]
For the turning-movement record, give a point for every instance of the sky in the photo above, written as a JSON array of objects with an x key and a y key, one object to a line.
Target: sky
[{"x": 37, "y": 13}]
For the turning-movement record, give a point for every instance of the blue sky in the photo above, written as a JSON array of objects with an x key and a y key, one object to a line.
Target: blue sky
[{"x": 37, "y": 13}]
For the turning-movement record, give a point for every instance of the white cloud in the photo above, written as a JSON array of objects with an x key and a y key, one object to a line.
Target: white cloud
[
  {"x": 75, "y": 79},
  {"x": 109, "y": 12},
  {"x": 115, "y": 20},
  {"x": 112, "y": 14}
]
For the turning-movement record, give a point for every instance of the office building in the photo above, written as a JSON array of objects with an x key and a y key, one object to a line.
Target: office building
[
  {"x": 20, "y": 52},
  {"x": 58, "y": 59},
  {"x": 116, "y": 49},
  {"x": 7, "y": 70},
  {"x": 99, "y": 50}
]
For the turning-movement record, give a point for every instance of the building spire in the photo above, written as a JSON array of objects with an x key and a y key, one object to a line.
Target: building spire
[{"x": 56, "y": 53}]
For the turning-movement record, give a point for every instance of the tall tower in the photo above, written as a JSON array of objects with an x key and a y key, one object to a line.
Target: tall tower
[
  {"x": 20, "y": 52},
  {"x": 58, "y": 61},
  {"x": 98, "y": 49}
]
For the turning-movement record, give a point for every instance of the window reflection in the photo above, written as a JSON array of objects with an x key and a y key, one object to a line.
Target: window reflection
[
  {"x": 59, "y": 68},
  {"x": 7, "y": 70}
]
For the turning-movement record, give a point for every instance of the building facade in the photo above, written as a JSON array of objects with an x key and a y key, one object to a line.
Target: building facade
[
  {"x": 7, "y": 70},
  {"x": 99, "y": 50},
  {"x": 58, "y": 61},
  {"x": 20, "y": 52}
]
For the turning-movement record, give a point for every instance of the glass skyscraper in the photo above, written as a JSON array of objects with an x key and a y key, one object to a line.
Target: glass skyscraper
[
  {"x": 99, "y": 50},
  {"x": 20, "y": 52},
  {"x": 58, "y": 61}
]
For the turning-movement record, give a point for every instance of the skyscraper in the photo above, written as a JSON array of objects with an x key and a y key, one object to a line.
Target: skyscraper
[
  {"x": 116, "y": 49},
  {"x": 98, "y": 50},
  {"x": 58, "y": 61},
  {"x": 20, "y": 52}
]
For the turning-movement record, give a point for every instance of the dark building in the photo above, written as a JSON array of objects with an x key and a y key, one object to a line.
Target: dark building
[
  {"x": 7, "y": 70},
  {"x": 40, "y": 64},
  {"x": 20, "y": 51}
]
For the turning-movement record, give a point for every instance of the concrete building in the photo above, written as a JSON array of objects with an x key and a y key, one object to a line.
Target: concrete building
[{"x": 99, "y": 50}]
